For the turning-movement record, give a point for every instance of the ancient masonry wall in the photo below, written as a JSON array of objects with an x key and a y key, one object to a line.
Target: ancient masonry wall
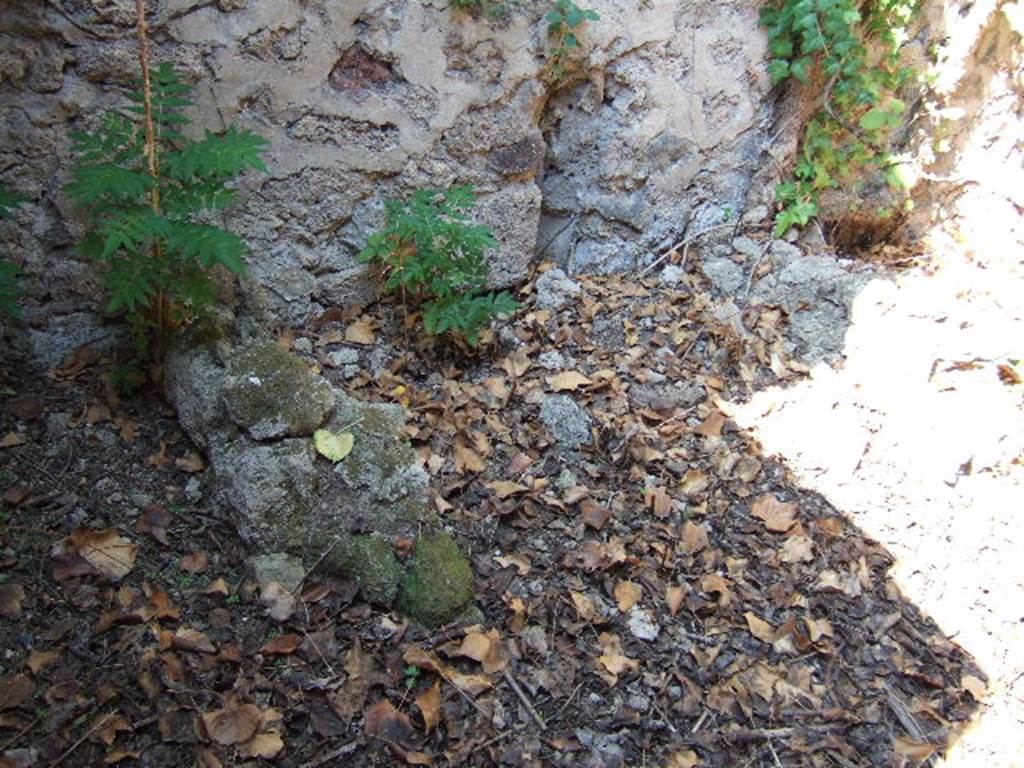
[{"x": 367, "y": 100}]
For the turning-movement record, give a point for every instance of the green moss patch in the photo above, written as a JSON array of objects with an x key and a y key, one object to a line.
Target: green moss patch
[{"x": 440, "y": 582}]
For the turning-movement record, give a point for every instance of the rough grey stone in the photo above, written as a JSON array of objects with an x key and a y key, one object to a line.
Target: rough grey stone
[
  {"x": 784, "y": 252},
  {"x": 666, "y": 397},
  {"x": 552, "y": 359},
  {"x": 817, "y": 293},
  {"x": 642, "y": 624},
  {"x": 287, "y": 570},
  {"x": 521, "y": 160},
  {"x": 272, "y": 393},
  {"x": 750, "y": 249},
  {"x": 342, "y": 357},
  {"x": 566, "y": 420},
  {"x": 725, "y": 275},
  {"x": 555, "y": 289},
  {"x": 672, "y": 275}
]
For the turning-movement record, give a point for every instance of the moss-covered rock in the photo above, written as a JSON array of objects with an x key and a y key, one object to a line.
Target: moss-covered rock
[
  {"x": 271, "y": 393},
  {"x": 370, "y": 562},
  {"x": 439, "y": 584}
]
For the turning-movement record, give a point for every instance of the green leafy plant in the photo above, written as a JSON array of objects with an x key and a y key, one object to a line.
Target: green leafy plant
[
  {"x": 434, "y": 256},
  {"x": 833, "y": 41},
  {"x": 152, "y": 193},
  {"x": 565, "y": 23},
  {"x": 9, "y": 271}
]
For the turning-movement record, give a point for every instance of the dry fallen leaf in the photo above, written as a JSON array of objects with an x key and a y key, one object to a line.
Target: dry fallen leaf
[
  {"x": 233, "y": 724},
  {"x": 473, "y": 685},
  {"x": 279, "y": 601},
  {"x": 505, "y": 488},
  {"x": 567, "y": 381},
  {"x": 712, "y": 425},
  {"x": 687, "y": 758},
  {"x": 675, "y": 596},
  {"x": 154, "y": 521},
  {"x": 760, "y": 628},
  {"x": 11, "y": 598},
  {"x": 383, "y": 721},
  {"x": 39, "y": 660},
  {"x": 466, "y": 459},
  {"x": 628, "y": 594},
  {"x": 12, "y": 439},
  {"x": 429, "y": 705},
  {"x": 695, "y": 537},
  {"x": 110, "y": 554},
  {"x": 594, "y": 515},
  {"x": 194, "y": 563},
  {"x": 265, "y": 745},
  {"x": 282, "y": 645},
  {"x": 191, "y": 462},
  {"x": 797, "y": 549},
  {"x": 361, "y": 332},
  {"x": 489, "y": 649},
  {"x": 778, "y": 516},
  {"x": 586, "y": 609},
  {"x": 186, "y": 639}
]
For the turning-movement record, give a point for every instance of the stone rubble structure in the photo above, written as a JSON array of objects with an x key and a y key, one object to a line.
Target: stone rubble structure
[{"x": 254, "y": 407}]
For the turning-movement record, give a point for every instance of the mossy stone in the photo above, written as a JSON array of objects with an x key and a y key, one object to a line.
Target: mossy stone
[
  {"x": 370, "y": 562},
  {"x": 272, "y": 393},
  {"x": 439, "y": 584}
]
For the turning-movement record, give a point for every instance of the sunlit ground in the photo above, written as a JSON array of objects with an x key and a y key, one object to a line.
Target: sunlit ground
[{"x": 918, "y": 439}]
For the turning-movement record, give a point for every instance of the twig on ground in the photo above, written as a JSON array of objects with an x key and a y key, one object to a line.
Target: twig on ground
[
  {"x": 339, "y": 752},
  {"x": 685, "y": 244},
  {"x": 99, "y": 724},
  {"x": 753, "y": 270},
  {"x": 313, "y": 567},
  {"x": 527, "y": 704}
]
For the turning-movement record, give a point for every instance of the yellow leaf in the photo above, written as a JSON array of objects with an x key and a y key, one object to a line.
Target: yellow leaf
[
  {"x": 567, "y": 381},
  {"x": 333, "y": 445}
]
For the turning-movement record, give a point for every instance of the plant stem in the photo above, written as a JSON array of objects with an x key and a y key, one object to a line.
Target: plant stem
[{"x": 151, "y": 159}]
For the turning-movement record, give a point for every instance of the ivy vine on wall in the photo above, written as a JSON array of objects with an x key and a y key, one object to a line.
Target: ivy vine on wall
[{"x": 853, "y": 48}]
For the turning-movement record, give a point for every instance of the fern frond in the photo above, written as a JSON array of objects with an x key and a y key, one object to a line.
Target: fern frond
[
  {"x": 218, "y": 156},
  {"x": 208, "y": 246},
  {"x": 94, "y": 183}
]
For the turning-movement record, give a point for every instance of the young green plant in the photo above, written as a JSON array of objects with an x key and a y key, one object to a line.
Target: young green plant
[
  {"x": 153, "y": 193},
  {"x": 565, "y": 23},
  {"x": 436, "y": 257}
]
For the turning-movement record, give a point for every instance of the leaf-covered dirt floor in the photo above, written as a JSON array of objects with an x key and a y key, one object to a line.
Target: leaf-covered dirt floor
[{"x": 663, "y": 595}]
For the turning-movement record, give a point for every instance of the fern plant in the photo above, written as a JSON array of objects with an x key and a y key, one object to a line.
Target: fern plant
[
  {"x": 859, "y": 113},
  {"x": 152, "y": 193},
  {"x": 433, "y": 255},
  {"x": 9, "y": 271}
]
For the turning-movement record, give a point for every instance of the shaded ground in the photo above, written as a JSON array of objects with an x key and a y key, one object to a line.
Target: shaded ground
[{"x": 661, "y": 595}]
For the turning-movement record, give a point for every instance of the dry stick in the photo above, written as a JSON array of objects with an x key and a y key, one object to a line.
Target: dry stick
[
  {"x": 99, "y": 723},
  {"x": 775, "y": 757},
  {"x": 753, "y": 271},
  {"x": 685, "y": 244},
  {"x": 313, "y": 567},
  {"x": 339, "y": 752},
  {"x": 14, "y": 739},
  {"x": 522, "y": 697}
]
